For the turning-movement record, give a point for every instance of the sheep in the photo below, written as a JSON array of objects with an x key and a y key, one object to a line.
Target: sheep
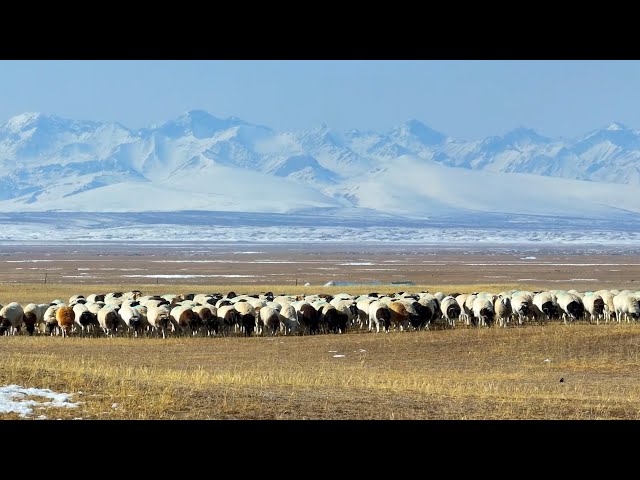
[
  {"x": 521, "y": 305},
  {"x": 379, "y": 314},
  {"x": 109, "y": 320},
  {"x": 116, "y": 301},
  {"x": 34, "y": 317},
  {"x": 85, "y": 320},
  {"x": 208, "y": 318},
  {"x": 468, "y": 307},
  {"x": 95, "y": 297},
  {"x": 594, "y": 306},
  {"x": 202, "y": 298},
  {"x": 348, "y": 308},
  {"x": 439, "y": 296},
  {"x": 12, "y": 318},
  {"x": 450, "y": 310},
  {"x": 289, "y": 323},
  {"x": 132, "y": 295},
  {"x": 363, "y": 310},
  {"x": 223, "y": 302},
  {"x": 113, "y": 297},
  {"x": 431, "y": 302},
  {"x": 65, "y": 316},
  {"x": 270, "y": 320},
  {"x": 76, "y": 299},
  {"x": 94, "y": 307},
  {"x": 335, "y": 321},
  {"x": 626, "y": 305},
  {"x": 461, "y": 299},
  {"x": 282, "y": 299},
  {"x": 319, "y": 305},
  {"x": 50, "y": 321},
  {"x": 132, "y": 319},
  {"x": 502, "y": 309},
  {"x": 420, "y": 316},
  {"x": 482, "y": 311},
  {"x": 545, "y": 303},
  {"x": 609, "y": 309},
  {"x": 308, "y": 318},
  {"x": 400, "y": 317},
  {"x": 228, "y": 318},
  {"x": 248, "y": 318},
  {"x": 571, "y": 306},
  {"x": 184, "y": 319},
  {"x": 159, "y": 319}
]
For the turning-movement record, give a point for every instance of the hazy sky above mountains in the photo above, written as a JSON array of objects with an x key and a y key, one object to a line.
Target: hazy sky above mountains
[{"x": 464, "y": 99}]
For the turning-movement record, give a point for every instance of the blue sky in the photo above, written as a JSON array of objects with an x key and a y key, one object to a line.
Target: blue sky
[{"x": 465, "y": 99}]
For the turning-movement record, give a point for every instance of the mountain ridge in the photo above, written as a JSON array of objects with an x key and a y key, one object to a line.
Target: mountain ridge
[{"x": 198, "y": 161}]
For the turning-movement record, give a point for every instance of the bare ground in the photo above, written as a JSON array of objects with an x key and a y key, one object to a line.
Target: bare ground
[{"x": 465, "y": 373}]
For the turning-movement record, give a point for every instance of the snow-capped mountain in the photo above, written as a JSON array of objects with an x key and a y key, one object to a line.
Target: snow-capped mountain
[{"x": 200, "y": 162}]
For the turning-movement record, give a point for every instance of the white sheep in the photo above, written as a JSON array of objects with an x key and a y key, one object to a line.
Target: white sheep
[
  {"x": 289, "y": 323},
  {"x": 609, "y": 309},
  {"x": 594, "y": 306},
  {"x": 269, "y": 320},
  {"x": 248, "y": 317},
  {"x": 450, "y": 310},
  {"x": 11, "y": 319},
  {"x": 379, "y": 314},
  {"x": 464, "y": 315},
  {"x": 95, "y": 297},
  {"x": 159, "y": 320},
  {"x": 363, "y": 310},
  {"x": 34, "y": 317},
  {"x": 132, "y": 319},
  {"x": 502, "y": 309},
  {"x": 109, "y": 320},
  {"x": 468, "y": 307},
  {"x": 626, "y": 305},
  {"x": 482, "y": 311},
  {"x": 50, "y": 321},
  {"x": 521, "y": 302},
  {"x": 78, "y": 298},
  {"x": 85, "y": 320},
  {"x": 546, "y": 305},
  {"x": 571, "y": 306}
]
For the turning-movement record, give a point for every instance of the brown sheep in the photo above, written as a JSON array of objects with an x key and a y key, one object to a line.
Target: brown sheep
[
  {"x": 400, "y": 317},
  {"x": 184, "y": 319},
  {"x": 65, "y": 317}
]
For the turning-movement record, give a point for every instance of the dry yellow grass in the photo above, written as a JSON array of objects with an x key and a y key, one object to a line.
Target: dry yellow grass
[{"x": 465, "y": 373}]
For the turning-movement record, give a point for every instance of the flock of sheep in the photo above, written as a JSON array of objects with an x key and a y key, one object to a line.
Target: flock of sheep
[{"x": 134, "y": 314}]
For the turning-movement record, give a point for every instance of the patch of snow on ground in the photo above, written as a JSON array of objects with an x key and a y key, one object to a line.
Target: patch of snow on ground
[{"x": 13, "y": 399}]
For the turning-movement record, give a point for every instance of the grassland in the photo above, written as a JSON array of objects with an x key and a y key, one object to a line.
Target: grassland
[{"x": 465, "y": 373}]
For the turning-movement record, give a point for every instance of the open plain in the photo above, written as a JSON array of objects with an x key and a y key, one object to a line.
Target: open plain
[{"x": 550, "y": 371}]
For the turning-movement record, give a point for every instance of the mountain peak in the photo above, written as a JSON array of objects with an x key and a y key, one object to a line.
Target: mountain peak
[
  {"x": 46, "y": 124},
  {"x": 418, "y": 130},
  {"x": 199, "y": 123},
  {"x": 524, "y": 134},
  {"x": 22, "y": 121},
  {"x": 616, "y": 126}
]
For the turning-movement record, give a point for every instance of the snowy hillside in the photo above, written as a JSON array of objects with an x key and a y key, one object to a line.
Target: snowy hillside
[{"x": 198, "y": 162}]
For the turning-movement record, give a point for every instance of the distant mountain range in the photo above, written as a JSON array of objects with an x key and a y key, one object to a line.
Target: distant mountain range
[{"x": 198, "y": 162}]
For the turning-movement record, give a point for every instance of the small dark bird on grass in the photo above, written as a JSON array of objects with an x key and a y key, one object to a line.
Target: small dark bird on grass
[{"x": 562, "y": 380}]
